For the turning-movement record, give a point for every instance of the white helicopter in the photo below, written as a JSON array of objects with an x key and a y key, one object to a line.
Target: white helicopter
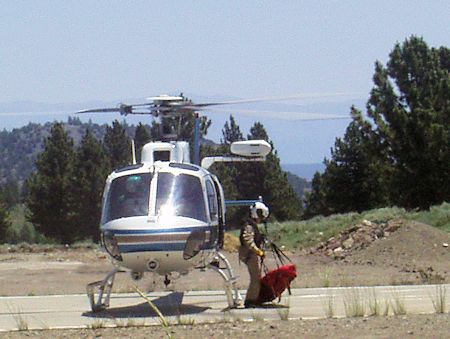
[{"x": 166, "y": 215}]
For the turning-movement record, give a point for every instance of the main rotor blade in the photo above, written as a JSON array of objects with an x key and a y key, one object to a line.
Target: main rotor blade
[
  {"x": 279, "y": 98},
  {"x": 289, "y": 116},
  {"x": 150, "y": 104},
  {"x": 100, "y": 110}
]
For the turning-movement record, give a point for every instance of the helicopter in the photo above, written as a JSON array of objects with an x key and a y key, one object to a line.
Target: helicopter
[{"x": 166, "y": 214}]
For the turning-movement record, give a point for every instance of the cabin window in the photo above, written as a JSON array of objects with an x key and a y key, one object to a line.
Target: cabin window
[
  {"x": 128, "y": 196},
  {"x": 180, "y": 195},
  {"x": 161, "y": 156},
  {"x": 212, "y": 200}
]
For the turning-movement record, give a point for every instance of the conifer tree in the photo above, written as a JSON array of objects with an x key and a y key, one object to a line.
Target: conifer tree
[
  {"x": 91, "y": 170},
  {"x": 231, "y": 132},
  {"x": 117, "y": 145},
  {"x": 410, "y": 107},
  {"x": 254, "y": 179},
  {"x": 4, "y": 222},
  {"x": 352, "y": 180},
  {"x": 141, "y": 137},
  {"x": 315, "y": 200},
  {"x": 187, "y": 125},
  {"x": 400, "y": 153},
  {"x": 49, "y": 188},
  {"x": 267, "y": 179},
  {"x": 9, "y": 193}
]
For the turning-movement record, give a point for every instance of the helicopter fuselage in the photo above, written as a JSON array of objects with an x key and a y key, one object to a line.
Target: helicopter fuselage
[
  {"x": 166, "y": 215},
  {"x": 162, "y": 217}
]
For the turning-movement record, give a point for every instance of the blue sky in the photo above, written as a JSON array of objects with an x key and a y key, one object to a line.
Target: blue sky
[{"x": 79, "y": 51}]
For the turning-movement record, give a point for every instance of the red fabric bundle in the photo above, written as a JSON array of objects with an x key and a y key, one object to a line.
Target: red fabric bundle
[{"x": 275, "y": 282}]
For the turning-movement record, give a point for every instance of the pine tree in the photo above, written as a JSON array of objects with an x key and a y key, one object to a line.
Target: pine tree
[
  {"x": 351, "y": 181},
  {"x": 226, "y": 172},
  {"x": 91, "y": 170},
  {"x": 410, "y": 107},
  {"x": 231, "y": 132},
  {"x": 141, "y": 137},
  {"x": 401, "y": 154},
  {"x": 250, "y": 180},
  {"x": 49, "y": 188},
  {"x": 10, "y": 193},
  {"x": 187, "y": 126},
  {"x": 4, "y": 222},
  {"x": 117, "y": 145},
  {"x": 269, "y": 179},
  {"x": 316, "y": 200}
]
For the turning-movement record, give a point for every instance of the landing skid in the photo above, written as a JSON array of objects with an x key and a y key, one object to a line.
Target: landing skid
[
  {"x": 99, "y": 292},
  {"x": 234, "y": 298},
  {"x": 103, "y": 290}
]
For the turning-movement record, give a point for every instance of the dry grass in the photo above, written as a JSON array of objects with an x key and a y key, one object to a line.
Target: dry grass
[
  {"x": 354, "y": 303},
  {"x": 398, "y": 304},
  {"x": 164, "y": 323},
  {"x": 439, "y": 299},
  {"x": 231, "y": 243},
  {"x": 329, "y": 306},
  {"x": 374, "y": 304},
  {"x": 19, "y": 319}
]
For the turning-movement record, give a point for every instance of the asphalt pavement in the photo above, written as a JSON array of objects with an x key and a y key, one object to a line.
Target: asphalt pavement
[{"x": 73, "y": 311}]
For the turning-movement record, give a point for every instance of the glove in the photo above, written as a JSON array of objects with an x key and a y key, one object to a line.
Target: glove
[{"x": 260, "y": 253}]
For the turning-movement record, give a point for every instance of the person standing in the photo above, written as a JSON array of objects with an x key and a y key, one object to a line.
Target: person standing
[{"x": 252, "y": 249}]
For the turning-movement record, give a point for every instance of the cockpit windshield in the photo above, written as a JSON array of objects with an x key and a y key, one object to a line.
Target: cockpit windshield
[
  {"x": 128, "y": 196},
  {"x": 180, "y": 195}
]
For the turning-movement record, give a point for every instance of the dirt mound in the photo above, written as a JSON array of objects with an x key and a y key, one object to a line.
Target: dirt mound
[
  {"x": 406, "y": 245},
  {"x": 356, "y": 238},
  {"x": 414, "y": 247}
]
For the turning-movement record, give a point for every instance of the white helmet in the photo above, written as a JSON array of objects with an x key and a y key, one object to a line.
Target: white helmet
[{"x": 259, "y": 210}]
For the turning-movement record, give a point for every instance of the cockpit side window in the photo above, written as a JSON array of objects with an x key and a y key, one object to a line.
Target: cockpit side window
[
  {"x": 212, "y": 200},
  {"x": 128, "y": 196},
  {"x": 180, "y": 195}
]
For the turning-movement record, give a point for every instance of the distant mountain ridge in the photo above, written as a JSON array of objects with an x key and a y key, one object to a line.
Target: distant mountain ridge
[
  {"x": 20, "y": 147},
  {"x": 305, "y": 171}
]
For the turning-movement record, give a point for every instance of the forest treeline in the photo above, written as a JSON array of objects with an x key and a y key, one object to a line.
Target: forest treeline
[
  {"x": 63, "y": 194},
  {"x": 395, "y": 152}
]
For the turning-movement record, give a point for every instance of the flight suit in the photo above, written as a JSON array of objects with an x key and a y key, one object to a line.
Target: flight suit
[{"x": 249, "y": 253}]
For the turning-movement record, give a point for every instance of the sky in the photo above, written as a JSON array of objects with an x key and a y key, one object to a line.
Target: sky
[{"x": 89, "y": 51}]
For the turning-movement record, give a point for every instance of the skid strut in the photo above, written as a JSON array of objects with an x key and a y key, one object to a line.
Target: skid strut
[
  {"x": 234, "y": 298},
  {"x": 103, "y": 289}
]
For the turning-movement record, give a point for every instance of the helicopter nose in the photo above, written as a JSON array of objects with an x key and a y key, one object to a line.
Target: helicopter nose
[{"x": 110, "y": 244}]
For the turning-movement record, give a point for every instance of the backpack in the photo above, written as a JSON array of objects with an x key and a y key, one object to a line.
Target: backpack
[{"x": 275, "y": 282}]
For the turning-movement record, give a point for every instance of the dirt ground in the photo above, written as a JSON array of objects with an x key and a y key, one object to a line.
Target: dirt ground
[
  {"x": 409, "y": 253},
  {"x": 410, "y": 326}
]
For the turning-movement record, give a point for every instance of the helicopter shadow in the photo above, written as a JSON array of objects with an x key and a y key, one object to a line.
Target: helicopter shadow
[{"x": 169, "y": 305}]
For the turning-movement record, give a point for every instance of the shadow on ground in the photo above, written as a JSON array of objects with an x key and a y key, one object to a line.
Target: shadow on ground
[{"x": 169, "y": 305}]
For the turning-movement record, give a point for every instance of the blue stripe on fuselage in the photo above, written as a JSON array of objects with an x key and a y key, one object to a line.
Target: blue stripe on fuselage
[
  {"x": 155, "y": 247},
  {"x": 164, "y": 230}
]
